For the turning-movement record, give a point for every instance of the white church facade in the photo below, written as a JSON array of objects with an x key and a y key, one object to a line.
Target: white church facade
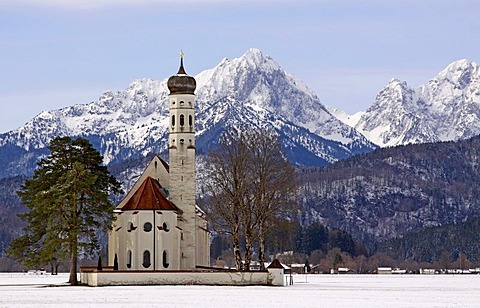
[
  {"x": 158, "y": 225},
  {"x": 160, "y": 236}
]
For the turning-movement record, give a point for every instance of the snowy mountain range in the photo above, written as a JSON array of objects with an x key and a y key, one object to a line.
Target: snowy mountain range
[
  {"x": 254, "y": 91},
  {"x": 447, "y": 108},
  {"x": 250, "y": 91}
]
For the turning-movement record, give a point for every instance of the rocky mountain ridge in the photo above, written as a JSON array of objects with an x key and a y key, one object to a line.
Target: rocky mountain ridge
[
  {"x": 447, "y": 108},
  {"x": 251, "y": 91}
]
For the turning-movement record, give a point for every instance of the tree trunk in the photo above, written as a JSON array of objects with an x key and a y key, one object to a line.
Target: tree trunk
[
  {"x": 73, "y": 262},
  {"x": 236, "y": 249},
  {"x": 248, "y": 249},
  {"x": 261, "y": 251}
]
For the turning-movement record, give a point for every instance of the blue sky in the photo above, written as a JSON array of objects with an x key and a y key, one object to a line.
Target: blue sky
[{"x": 57, "y": 53}]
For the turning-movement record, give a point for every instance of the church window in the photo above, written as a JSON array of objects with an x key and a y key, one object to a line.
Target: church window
[
  {"x": 182, "y": 120},
  {"x": 181, "y": 236},
  {"x": 129, "y": 258},
  {"x": 131, "y": 227},
  {"x": 155, "y": 164},
  {"x": 146, "y": 259},
  {"x": 190, "y": 120},
  {"x": 182, "y": 102},
  {"x": 165, "y": 227},
  {"x": 173, "y": 120},
  {"x": 165, "y": 261},
  {"x": 147, "y": 227}
]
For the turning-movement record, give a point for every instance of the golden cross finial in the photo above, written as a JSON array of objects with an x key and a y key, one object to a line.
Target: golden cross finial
[{"x": 181, "y": 54}]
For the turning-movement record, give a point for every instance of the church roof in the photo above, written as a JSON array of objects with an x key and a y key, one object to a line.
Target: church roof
[
  {"x": 149, "y": 196},
  {"x": 275, "y": 264},
  {"x": 164, "y": 163}
]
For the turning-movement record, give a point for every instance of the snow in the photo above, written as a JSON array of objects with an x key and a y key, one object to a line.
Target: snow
[
  {"x": 446, "y": 109},
  {"x": 23, "y": 290},
  {"x": 252, "y": 90},
  {"x": 350, "y": 120}
]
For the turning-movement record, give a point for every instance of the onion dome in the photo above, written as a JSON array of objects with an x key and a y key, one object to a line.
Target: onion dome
[{"x": 181, "y": 83}]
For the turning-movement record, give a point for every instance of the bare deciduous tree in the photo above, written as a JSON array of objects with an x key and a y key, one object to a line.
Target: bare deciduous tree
[
  {"x": 275, "y": 185},
  {"x": 250, "y": 183},
  {"x": 226, "y": 173}
]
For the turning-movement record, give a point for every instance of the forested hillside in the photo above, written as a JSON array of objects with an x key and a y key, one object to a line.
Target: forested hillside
[
  {"x": 383, "y": 195},
  {"x": 395, "y": 191},
  {"x": 444, "y": 242},
  {"x": 10, "y": 205}
]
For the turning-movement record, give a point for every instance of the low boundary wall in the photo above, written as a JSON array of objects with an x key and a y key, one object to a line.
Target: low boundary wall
[{"x": 94, "y": 278}]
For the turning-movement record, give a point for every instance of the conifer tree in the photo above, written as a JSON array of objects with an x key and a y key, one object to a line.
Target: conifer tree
[{"x": 68, "y": 204}]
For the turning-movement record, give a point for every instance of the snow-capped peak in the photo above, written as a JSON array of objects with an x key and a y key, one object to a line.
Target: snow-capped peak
[
  {"x": 448, "y": 108},
  {"x": 252, "y": 90}
]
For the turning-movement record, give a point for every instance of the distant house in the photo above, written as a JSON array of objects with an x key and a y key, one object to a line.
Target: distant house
[
  {"x": 384, "y": 270},
  {"x": 427, "y": 271},
  {"x": 298, "y": 268},
  {"x": 346, "y": 270},
  {"x": 399, "y": 271}
]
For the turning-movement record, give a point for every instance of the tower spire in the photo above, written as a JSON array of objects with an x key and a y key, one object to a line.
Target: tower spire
[
  {"x": 181, "y": 83},
  {"x": 181, "y": 70}
]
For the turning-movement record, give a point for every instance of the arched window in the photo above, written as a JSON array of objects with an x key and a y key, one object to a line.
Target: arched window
[
  {"x": 182, "y": 102},
  {"x": 165, "y": 261},
  {"x": 182, "y": 120},
  {"x": 129, "y": 258},
  {"x": 147, "y": 227},
  {"x": 165, "y": 227},
  {"x": 190, "y": 120},
  {"x": 146, "y": 259},
  {"x": 131, "y": 227},
  {"x": 173, "y": 120}
]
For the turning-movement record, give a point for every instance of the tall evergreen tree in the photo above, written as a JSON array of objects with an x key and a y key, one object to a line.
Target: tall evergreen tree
[{"x": 68, "y": 204}]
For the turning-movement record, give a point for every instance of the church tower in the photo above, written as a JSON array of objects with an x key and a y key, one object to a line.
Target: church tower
[{"x": 182, "y": 160}]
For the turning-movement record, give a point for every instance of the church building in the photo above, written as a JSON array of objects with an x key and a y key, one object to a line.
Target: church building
[{"x": 158, "y": 225}]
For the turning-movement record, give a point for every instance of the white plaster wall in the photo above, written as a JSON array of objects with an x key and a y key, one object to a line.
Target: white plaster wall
[
  {"x": 168, "y": 240},
  {"x": 141, "y": 241},
  {"x": 138, "y": 240},
  {"x": 181, "y": 278},
  {"x": 203, "y": 245},
  {"x": 182, "y": 174}
]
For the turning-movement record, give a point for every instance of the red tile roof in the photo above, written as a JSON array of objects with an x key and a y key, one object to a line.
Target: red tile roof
[{"x": 149, "y": 196}]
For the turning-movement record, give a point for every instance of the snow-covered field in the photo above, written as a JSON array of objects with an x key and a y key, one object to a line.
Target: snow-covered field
[{"x": 21, "y": 290}]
